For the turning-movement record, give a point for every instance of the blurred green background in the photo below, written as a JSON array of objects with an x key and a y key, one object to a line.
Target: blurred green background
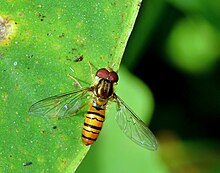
[{"x": 174, "y": 49}]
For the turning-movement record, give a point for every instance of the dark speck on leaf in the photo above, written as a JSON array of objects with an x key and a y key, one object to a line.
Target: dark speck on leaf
[
  {"x": 27, "y": 163},
  {"x": 79, "y": 59},
  {"x": 62, "y": 35}
]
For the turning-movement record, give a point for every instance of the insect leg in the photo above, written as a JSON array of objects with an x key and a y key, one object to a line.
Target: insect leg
[{"x": 77, "y": 80}]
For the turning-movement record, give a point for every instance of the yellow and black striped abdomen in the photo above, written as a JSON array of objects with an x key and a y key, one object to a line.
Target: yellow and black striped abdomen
[{"x": 93, "y": 124}]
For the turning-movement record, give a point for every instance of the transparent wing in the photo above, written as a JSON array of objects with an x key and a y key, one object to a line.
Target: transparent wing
[
  {"x": 62, "y": 105},
  {"x": 134, "y": 127}
]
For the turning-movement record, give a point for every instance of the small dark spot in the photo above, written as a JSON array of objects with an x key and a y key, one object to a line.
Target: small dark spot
[
  {"x": 29, "y": 56},
  {"x": 54, "y": 127},
  {"x": 43, "y": 131},
  {"x": 72, "y": 50},
  {"x": 28, "y": 68},
  {"x": 64, "y": 162},
  {"x": 41, "y": 16},
  {"x": 113, "y": 3},
  {"x": 27, "y": 163},
  {"x": 62, "y": 35},
  {"x": 68, "y": 59},
  {"x": 21, "y": 14},
  {"x": 10, "y": 156},
  {"x": 79, "y": 59}
]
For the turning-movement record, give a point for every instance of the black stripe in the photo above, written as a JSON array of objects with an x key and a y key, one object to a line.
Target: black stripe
[
  {"x": 95, "y": 119},
  {"x": 96, "y": 113},
  {"x": 88, "y": 138},
  {"x": 98, "y": 108},
  {"x": 93, "y": 127},
  {"x": 91, "y": 131}
]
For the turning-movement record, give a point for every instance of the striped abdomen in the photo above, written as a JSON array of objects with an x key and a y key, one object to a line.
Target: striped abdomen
[{"x": 93, "y": 123}]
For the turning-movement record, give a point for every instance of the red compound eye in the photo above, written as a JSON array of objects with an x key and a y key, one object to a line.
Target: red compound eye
[
  {"x": 113, "y": 76},
  {"x": 103, "y": 73},
  {"x": 109, "y": 75}
]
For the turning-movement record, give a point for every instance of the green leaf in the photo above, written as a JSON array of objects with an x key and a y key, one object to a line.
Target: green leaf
[{"x": 41, "y": 45}]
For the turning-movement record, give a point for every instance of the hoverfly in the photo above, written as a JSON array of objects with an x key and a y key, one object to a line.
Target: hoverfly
[{"x": 101, "y": 92}]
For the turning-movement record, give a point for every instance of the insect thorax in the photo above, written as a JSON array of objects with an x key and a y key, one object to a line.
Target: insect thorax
[{"x": 104, "y": 89}]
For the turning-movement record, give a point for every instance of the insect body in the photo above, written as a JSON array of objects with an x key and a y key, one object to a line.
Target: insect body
[
  {"x": 101, "y": 92},
  {"x": 93, "y": 124},
  {"x": 95, "y": 117}
]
